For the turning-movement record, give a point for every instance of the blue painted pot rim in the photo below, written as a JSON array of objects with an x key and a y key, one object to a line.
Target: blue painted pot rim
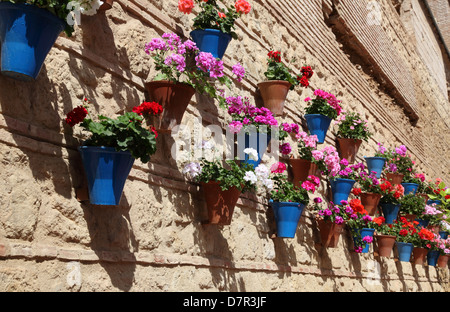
[
  {"x": 212, "y": 30},
  {"x": 103, "y": 149},
  {"x": 29, "y": 7},
  {"x": 374, "y": 157}
]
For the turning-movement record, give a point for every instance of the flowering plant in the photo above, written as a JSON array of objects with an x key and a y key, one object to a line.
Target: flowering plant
[
  {"x": 383, "y": 228},
  {"x": 424, "y": 238},
  {"x": 368, "y": 183},
  {"x": 397, "y": 161},
  {"x": 359, "y": 219},
  {"x": 405, "y": 230},
  {"x": 182, "y": 62},
  {"x": 391, "y": 194},
  {"x": 213, "y": 17},
  {"x": 412, "y": 204},
  {"x": 229, "y": 174},
  {"x": 352, "y": 126},
  {"x": 249, "y": 117},
  {"x": 285, "y": 191},
  {"x": 328, "y": 160},
  {"x": 381, "y": 151},
  {"x": 432, "y": 215},
  {"x": 347, "y": 171},
  {"x": 125, "y": 133},
  {"x": 334, "y": 213},
  {"x": 284, "y": 131},
  {"x": 277, "y": 70},
  {"x": 444, "y": 246},
  {"x": 325, "y": 104}
]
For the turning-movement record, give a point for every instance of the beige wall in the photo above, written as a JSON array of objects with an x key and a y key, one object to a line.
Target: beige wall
[{"x": 154, "y": 240}]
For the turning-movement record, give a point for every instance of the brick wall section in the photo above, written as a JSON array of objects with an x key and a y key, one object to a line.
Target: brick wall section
[
  {"x": 441, "y": 13},
  {"x": 154, "y": 239}
]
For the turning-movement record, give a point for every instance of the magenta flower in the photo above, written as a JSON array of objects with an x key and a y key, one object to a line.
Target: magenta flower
[{"x": 239, "y": 71}]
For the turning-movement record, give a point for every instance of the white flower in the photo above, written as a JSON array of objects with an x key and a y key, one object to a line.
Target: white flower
[
  {"x": 192, "y": 169},
  {"x": 252, "y": 153},
  {"x": 262, "y": 172},
  {"x": 268, "y": 183},
  {"x": 250, "y": 177}
]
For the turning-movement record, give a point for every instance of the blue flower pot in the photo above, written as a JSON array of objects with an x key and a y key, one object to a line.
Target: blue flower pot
[
  {"x": 318, "y": 125},
  {"x": 404, "y": 251},
  {"x": 256, "y": 140},
  {"x": 340, "y": 189},
  {"x": 287, "y": 215},
  {"x": 410, "y": 187},
  {"x": 390, "y": 212},
  {"x": 443, "y": 234},
  {"x": 422, "y": 223},
  {"x": 375, "y": 164},
  {"x": 363, "y": 233},
  {"x": 434, "y": 201},
  {"x": 106, "y": 171},
  {"x": 432, "y": 257},
  {"x": 213, "y": 41},
  {"x": 27, "y": 33}
]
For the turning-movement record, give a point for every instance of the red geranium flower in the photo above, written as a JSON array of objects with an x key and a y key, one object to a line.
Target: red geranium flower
[
  {"x": 77, "y": 115},
  {"x": 242, "y": 6},
  {"x": 275, "y": 55}
]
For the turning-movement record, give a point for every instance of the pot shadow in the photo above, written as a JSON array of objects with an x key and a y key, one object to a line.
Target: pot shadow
[
  {"x": 34, "y": 131},
  {"x": 112, "y": 237}
]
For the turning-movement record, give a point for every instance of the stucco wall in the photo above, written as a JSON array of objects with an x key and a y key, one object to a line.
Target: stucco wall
[{"x": 154, "y": 240}]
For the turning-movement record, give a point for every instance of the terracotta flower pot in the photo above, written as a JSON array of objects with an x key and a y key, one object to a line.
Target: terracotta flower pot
[
  {"x": 107, "y": 4},
  {"x": 409, "y": 217},
  {"x": 370, "y": 202},
  {"x": 443, "y": 261},
  {"x": 348, "y": 148},
  {"x": 274, "y": 93},
  {"x": 301, "y": 169},
  {"x": 330, "y": 233},
  {"x": 419, "y": 255},
  {"x": 174, "y": 98},
  {"x": 425, "y": 197},
  {"x": 385, "y": 244},
  {"x": 220, "y": 204},
  {"x": 394, "y": 178},
  {"x": 434, "y": 228}
]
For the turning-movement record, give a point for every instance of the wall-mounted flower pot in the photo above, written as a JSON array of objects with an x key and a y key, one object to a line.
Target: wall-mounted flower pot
[
  {"x": 340, "y": 189},
  {"x": 301, "y": 169},
  {"x": 258, "y": 141},
  {"x": 106, "y": 171},
  {"x": 410, "y": 187},
  {"x": 173, "y": 97},
  {"x": 432, "y": 257},
  {"x": 361, "y": 234},
  {"x": 385, "y": 244},
  {"x": 287, "y": 215},
  {"x": 431, "y": 202},
  {"x": 390, "y": 212},
  {"x": 318, "y": 125},
  {"x": 348, "y": 148},
  {"x": 404, "y": 251},
  {"x": 330, "y": 232},
  {"x": 443, "y": 261},
  {"x": 422, "y": 222},
  {"x": 443, "y": 234},
  {"x": 213, "y": 41},
  {"x": 375, "y": 164},
  {"x": 394, "y": 178},
  {"x": 370, "y": 202},
  {"x": 219, "y": 204},
  {"x": 419, "y": 255},
  {"x": 27, "y": 33},
  {"x": 274, "y": 93}
]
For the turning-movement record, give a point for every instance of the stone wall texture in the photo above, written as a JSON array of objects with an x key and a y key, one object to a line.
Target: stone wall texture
[{"x": 383, "y": 59}]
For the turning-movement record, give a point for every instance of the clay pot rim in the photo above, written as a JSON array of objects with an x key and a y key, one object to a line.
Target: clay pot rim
[
  {"x": 169, "y": 82},
  {"x": 281, "y": 82}
]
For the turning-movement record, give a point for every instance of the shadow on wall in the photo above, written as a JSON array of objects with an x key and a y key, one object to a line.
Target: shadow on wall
[{"x": 112, "y": 237}]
